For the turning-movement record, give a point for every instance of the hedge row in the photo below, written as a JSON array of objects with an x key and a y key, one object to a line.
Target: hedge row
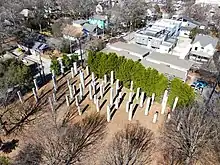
[{"x": 148, "y": 79}]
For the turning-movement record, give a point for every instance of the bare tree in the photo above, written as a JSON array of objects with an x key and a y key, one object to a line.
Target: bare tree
[
  {"x": 69, "y": 144},
  {"x": 188, "y": 136},
  {"x": 131, "y": 146}
]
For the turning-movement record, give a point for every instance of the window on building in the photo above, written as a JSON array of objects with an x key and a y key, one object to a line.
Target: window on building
[
  {"x": 196, "y": 48},
  {"x": 202, "y": 48}
]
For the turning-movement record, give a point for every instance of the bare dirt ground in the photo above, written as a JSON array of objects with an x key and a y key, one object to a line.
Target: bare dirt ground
[{"x": 119, "y": 117}]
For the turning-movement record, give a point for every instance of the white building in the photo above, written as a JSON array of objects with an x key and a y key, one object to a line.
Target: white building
[
  {"x": 160, "y": 35},
  {"x": 203, "y": 48},
  {"x": 208, "y": 2}
]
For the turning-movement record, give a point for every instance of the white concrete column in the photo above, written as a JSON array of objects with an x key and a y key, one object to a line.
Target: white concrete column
[
  {"x": 35, "y": 94},
  {"x": 53, "y": 73},
  {"x": 131, "y": 86},
  {"x": 175, "y": 103},
  {"x": 112, "y": 77},
  {"x": 54, "y": 83},
  {"x": 72, "y": 72},
  {"x": 111, "y": 95},
  {"x": 152, "y": 98},
  {"x": 120, "y": 95},
  {"x": 101, "y": 90},
  {"x": 81, "y": 74},
  {"x": 155, "y": 117},
  {"x": 165, "y": 95},
  {"x": 117, "y": 86},
  {"x": 35, "y": 84},
  {"x": 116, "y": 103},
  {"x": 93, "y": 77},
  {"x": 80, "y": 91},
  {"x": 79, "y": 110},
  {"x": 147, "y": 106},
  {"x": 75, "y": 67},
  {"x": 62, "y": 69},
  {"x": 97, "y": 105},
  {"x": 74, "y": 89},
  {"x": 90, "y": 91},
  {"x": 68, "y": 82},
  {"x": 105, "y": 79},
  {"x": 130, "y": 112},
  {"x": 51, "y": 104},
  {"x": 94, "y": 86},
  {"x": 127, "y": 106},
  {"x": 71, "y": 91},
  {"x": 164, "y": 104},
  {"x": 168, "y": 117},
  {"x": 20, "y": 96},
  {"x": 142, "y": 99},
  {"x": 138, "y": 93},
  {"x": 54, "y": 97},
  {"x": 67, "y": 100},
  {"x": 130, "y": 96},
  {"x": 95, "y": 99},
  {"x": 108, "y": 113},
  {"x": 87, "y": 70},
  {"x": 76, "y": 100}
]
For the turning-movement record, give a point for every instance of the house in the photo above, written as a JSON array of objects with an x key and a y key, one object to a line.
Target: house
[
  {"x": 100, "y": 20},
  {"x": 167, "y": 64},
  {"x": 208, "y": 2},
  {"x": 91, "y": 30},
  {"x": 160, "y": 35},
  {"x": 203, "y": 48}
]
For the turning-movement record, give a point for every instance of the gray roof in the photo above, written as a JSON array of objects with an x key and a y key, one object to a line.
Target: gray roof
[
  {"x": 121, "y": 53},
  {"x": 89, "y": 27},
  {"x": 131, "y": 48},
  {"x": 80, "y": 21},
  {"x": 171, "y": 60},
  {"x": 192, "y": 21},
  {"x": 205, "y": 40},
  {"x": 165, "y": 69}
]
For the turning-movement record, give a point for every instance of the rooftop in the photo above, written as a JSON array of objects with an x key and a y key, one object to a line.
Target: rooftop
[
  {"x": 205, "y": 40},
  {"x": 88, "y": 27},
  {"x": 80, "y": 21}
]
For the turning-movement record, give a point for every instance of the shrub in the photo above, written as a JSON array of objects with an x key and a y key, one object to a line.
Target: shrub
[
  {"x": 55, "y": 65},
  {"x": 66, "y": 62}
]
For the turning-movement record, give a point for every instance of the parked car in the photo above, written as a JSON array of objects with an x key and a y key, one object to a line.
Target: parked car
[{"x": 199, "y": 84}]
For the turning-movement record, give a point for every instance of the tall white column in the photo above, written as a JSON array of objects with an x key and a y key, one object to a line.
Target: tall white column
[
  {"x": 168, "y": 117},
  {"x": 93, "y": 77},
  {"x": 95, "y": 99},
  {"x": 90, "y": 91},
  {"x": 142, "y": 99},
  {"x": 155, "y": 117},
  {"x": 75, "y": 67},
  {"x": 116, "y": 103},
  {"x": 71, "y": 91},
  {"x": 20, "y": 96},
  {"x": 62, "y": 69},
  {"x": 76, "y": 100},
  {"x": 138, "y": 93},
  {"x": 101, "y": 90},
  {"x": 127, "y": 106},
  {"x": 164, "y": 104},
  {"x": 147, "y": 106},
  {"x": 53, "y": 73},
  {"x": 117, "y": 86},
  {"x": 80, "y": 91},
  {"x": 165, "y": 95},
  {"x": 131, "y": 86},
  {"x": 35, "y": 84},
  {"x": 54, "y": 96},
  {"x": 94, "y": 86},
  {"x": 87, "y": 70},
  {"x": 112, "y": 77},
  {"x": 79, "y": 110},
  {"x": 130, "y": 96},
  {"x": 74, "y": 89},
  {"x": 105, "y": 79},
  {"x": 97, "y": 105},
  {"x": 82, "y": 79},
  {"x": 51, "y": 104},
  {"x": 67, "y": 101},
  {"x": 72, "y": 72},
  {"x": 175, "y": 103},
  {"x": 35, "y": 94},
  {"x": 111, "y": 95},
  {"x": 120, "y": 95},
  {"x": 54, "y": 83},
  {"x": 108, "y": 113},
  {"x": 130, "y": 112},
  {"x": 152, "y": 98}
]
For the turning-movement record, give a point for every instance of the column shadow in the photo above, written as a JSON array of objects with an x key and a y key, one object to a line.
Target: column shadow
[
  {"x": 84, "y": 109},
  {"x": 103, "y": 103},
  {"x": 134, "y": 110}
]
